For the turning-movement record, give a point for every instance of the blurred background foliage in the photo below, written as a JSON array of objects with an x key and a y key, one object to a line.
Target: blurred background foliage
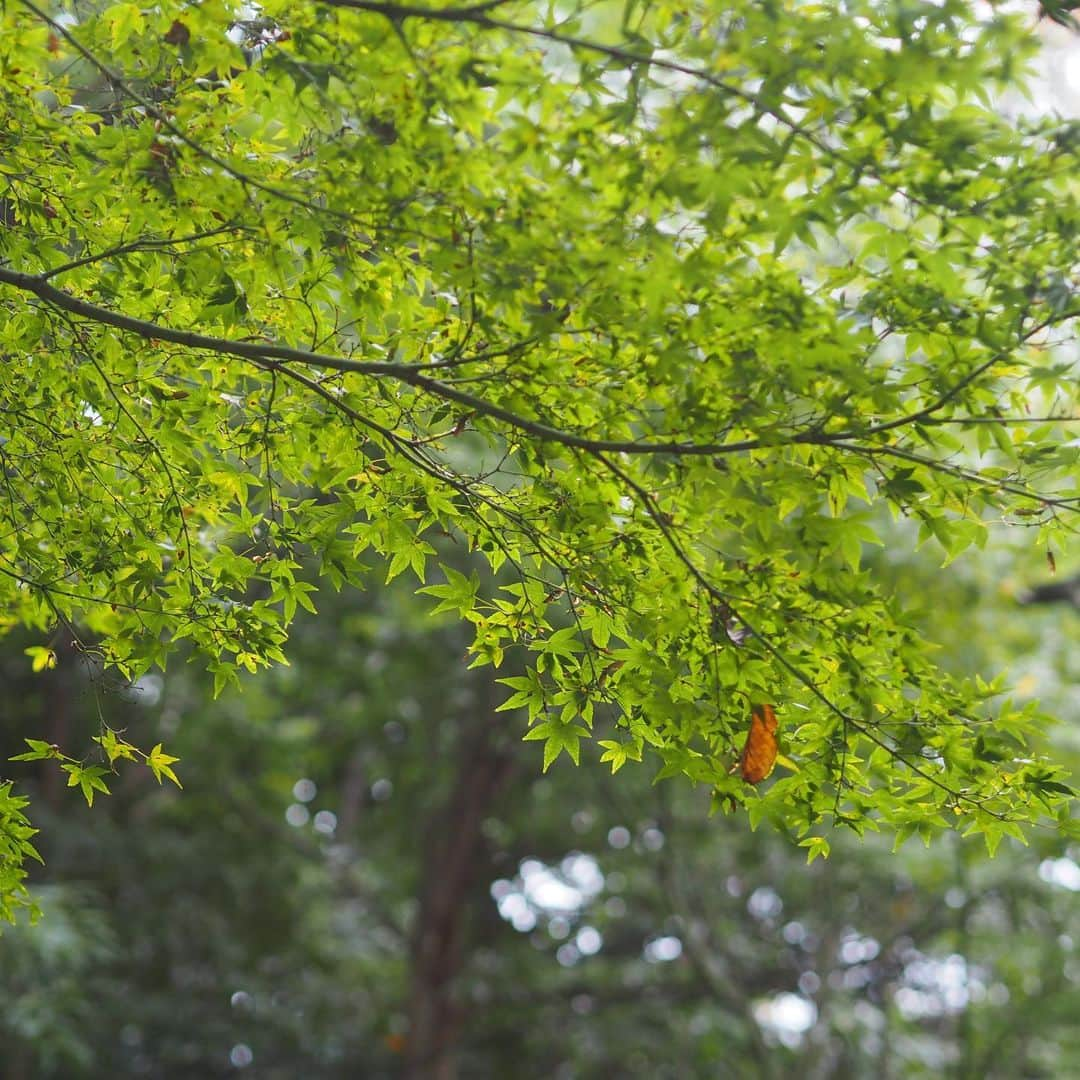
[{"x": 366, "y": 875}]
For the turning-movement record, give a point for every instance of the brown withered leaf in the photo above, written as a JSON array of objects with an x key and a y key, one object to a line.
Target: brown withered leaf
[
  {"x": 760, "y": 750},
  {"x": 177, "y": 34}
]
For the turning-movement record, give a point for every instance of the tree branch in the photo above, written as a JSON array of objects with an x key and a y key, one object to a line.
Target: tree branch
[
  {"x": 268, "y": 356},
  {"x": 410, "y": 374}
]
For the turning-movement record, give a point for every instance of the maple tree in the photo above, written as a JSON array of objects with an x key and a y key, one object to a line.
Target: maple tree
[{"x": 621, "y": 328}]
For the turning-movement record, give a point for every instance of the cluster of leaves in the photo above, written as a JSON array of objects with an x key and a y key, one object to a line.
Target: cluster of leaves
[
  {"x": 649, "y": 308},
  {"x": 15, "y": 849},
  {"x": 88, "y": 777}
]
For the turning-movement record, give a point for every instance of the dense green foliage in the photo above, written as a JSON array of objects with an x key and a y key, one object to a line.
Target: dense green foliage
[{"x": 620, "y": 328}]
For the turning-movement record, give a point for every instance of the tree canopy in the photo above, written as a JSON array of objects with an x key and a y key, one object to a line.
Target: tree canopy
[{"x": 626, "y": 330}]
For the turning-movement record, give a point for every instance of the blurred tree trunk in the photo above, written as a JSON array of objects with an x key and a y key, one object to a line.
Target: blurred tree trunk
[{"x": 452, "y": 860}]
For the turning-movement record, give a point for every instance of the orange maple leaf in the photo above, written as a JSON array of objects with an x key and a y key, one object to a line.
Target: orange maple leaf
[{"x": 760, "y": 750}]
